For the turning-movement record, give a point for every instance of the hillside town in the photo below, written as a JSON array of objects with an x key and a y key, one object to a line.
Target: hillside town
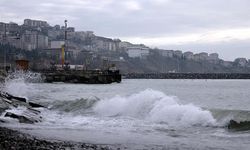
[{"x": 41, "y": 43}]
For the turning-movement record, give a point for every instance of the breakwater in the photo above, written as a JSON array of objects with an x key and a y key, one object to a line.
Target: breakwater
[
  {"x": 87, "y": 76},
  {"x": 187, "y": 76}
]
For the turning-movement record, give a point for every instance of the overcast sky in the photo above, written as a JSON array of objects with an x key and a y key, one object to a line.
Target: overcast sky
[{"x": 221, "y": 26}]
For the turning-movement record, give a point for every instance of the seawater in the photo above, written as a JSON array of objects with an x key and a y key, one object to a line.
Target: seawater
[{"x": 140, "y": 114}]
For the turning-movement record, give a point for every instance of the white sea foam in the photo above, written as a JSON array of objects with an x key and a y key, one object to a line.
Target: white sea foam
[
  {"x": 16, "y": 83},
  {"x": 142, "y": 111},
  {"x": 157, "y": 107}
]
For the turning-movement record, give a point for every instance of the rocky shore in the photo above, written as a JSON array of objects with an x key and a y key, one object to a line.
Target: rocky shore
[{"x": 14, "y": 140}]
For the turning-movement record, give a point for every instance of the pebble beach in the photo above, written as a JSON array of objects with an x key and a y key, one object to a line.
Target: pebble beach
[{"x": 15, "y": 140}]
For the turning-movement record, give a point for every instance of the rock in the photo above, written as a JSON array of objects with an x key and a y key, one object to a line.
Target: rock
[
  {"x": 22, "y": 119},
  {"x": 29, "y": 115},
  {"x": 239, "y": 126}
]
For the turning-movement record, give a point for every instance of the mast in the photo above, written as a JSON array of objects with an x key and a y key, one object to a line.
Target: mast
[
  {"x": 64, "y": 47},
  {"x": 4, "y": 39}
]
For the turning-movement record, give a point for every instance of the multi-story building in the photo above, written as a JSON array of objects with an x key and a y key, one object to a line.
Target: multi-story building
[
  {"x": 31, "y": 40},
  {"x": 124, "y": 45},
  {"x": 35, "y": 23},
  {"x": 107, "y": 44},
  {"x": 188, "y": 55},
  {"x": 203, "y": 56},
  {"x": 167, "y": 53},
  {"x": 213, "y": 58},
  {"x": 42, "y": 41},
  {"x": 241, "y": 62},
  {"x": 138, "y": 52},
  {"x": 178, "y": 54},
  {"x": 9, "y": 33},
  {"x": 9, "y": 28}
]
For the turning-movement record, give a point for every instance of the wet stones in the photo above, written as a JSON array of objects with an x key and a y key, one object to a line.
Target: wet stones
[{"x": 238, "y": 126}]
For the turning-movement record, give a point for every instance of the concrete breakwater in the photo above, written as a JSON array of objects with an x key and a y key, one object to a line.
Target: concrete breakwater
[
  {"x": 89, "y": 76},
  {"x": 187, "y": 76}
]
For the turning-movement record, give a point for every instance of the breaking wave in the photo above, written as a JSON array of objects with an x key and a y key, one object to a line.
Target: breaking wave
[
  {"x": 153, "y": 106},
  {"x": 16, "y": 82},
  {"x": 157, "y": 107},
  {"x": 149, "y": 105},
  {"x": 27, "y": 76}
]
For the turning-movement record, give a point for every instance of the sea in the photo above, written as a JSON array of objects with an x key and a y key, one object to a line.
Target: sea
[{"x": 138, "y": 113}]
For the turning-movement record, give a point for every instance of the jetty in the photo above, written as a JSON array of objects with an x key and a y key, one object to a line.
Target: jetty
[{"x": 82, "y": 76}]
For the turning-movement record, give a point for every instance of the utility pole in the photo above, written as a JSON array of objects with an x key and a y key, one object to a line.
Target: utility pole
[
  {"x": 64, "y": 48},
  {"x": 4, "y": 39},
  {"x": 36, "y": 40}
]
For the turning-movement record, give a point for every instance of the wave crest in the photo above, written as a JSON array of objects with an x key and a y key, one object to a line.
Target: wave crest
[
  {"x": 157, "y": 107},
  {"x": 16, "y": 82}
]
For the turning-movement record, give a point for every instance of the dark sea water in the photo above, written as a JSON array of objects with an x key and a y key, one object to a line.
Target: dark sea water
[{"x": 141, "y": 114}]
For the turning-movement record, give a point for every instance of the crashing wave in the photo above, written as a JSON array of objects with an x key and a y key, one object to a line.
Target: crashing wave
[
  {"x": 30, "y": 77},
  {"x": 16, "y": 82},
  {"x": 157, "y": 107}
]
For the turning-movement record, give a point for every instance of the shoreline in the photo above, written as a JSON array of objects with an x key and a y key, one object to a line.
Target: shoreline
[{"x": 14, "y": 140}]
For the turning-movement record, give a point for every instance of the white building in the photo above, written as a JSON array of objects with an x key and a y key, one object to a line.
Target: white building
[
  {"x": 56, "y": 44},
  {"x": 35, "y": 23},
  {"x": 137, "y": 52},
  {"x": 213, "y": 58}
]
